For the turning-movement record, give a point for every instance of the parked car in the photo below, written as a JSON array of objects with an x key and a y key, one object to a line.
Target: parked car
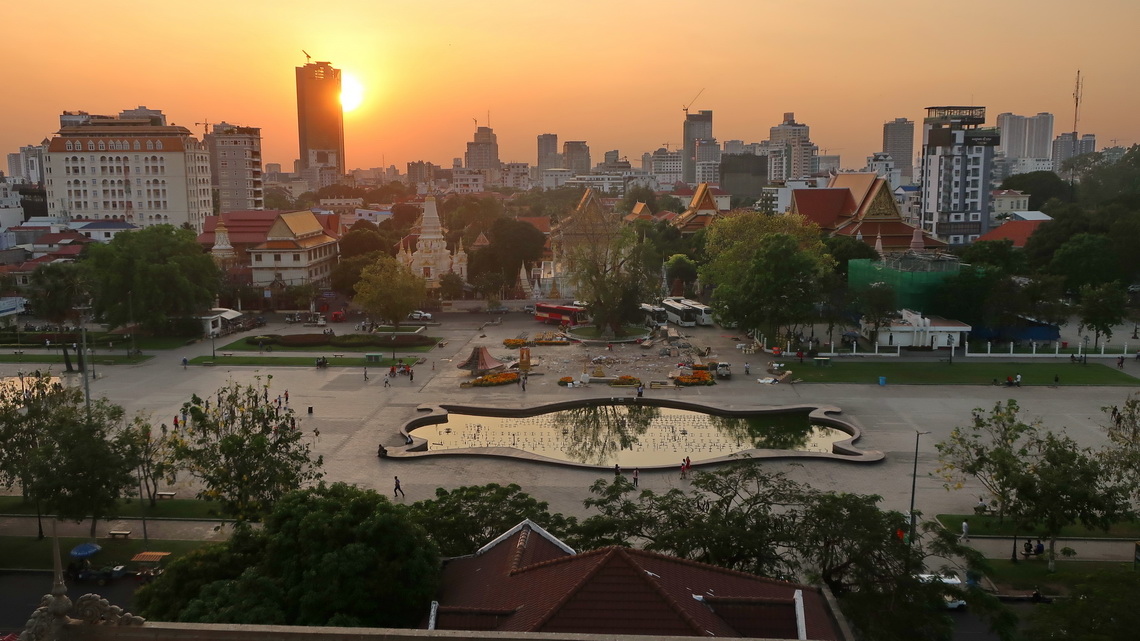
[
  {"x": 528, "y": 309},
  {"x": 419, "y": 315},
  {"x": 501, "y": 309},
  {"x": 953, "y": 602}
]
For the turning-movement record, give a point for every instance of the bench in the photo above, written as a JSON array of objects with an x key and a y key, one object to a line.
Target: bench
[
  {"x": 165, "y": 495},
  {"x": 120, "y": 533},
  {"x": 17, "y": 352},
  {"x": 659, "y": 385},
  {"x": 1028, "y": 555},
  {"x": 227, "y": 354},
  {"x": 337, "y": 355}
]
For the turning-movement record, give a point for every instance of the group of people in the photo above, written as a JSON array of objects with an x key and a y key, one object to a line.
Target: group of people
[
  {"x": 686, "y": 466},
  {"x": 1013, "y": 381},
  {"x": 1029, "y": 549}
]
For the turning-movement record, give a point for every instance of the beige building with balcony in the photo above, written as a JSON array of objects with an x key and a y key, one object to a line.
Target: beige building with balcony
[{"x": 297, "y": 251}]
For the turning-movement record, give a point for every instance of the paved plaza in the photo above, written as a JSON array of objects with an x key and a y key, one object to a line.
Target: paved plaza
[{"x": 353, "y": 415}]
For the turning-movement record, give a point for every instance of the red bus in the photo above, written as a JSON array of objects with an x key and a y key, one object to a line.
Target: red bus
[{"x": 560, "y": 314}]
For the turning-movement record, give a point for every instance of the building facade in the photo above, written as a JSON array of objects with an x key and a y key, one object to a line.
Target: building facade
[
  {"x": 430, "y": 259},
  {"x": 956, "y": 173},
  {"x": 483, "y": 151},
  {"x": 667, "y": 166},
  {"x": 548, "y": 157},
  {"x": 791, "y": 154},
  {"x": 235, "y": 167},
  {"x": 698, "y": 126},
  {"x": 297, "y": 251},
  {"x": 116, "y": 168},
  {"x": 898, "y": 141},
  {"x": 320, "y": 120},
  {"x": 576, "y": 156}
]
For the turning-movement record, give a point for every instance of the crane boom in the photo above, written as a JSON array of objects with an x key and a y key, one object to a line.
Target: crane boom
[{"x": 686, "y": 107}]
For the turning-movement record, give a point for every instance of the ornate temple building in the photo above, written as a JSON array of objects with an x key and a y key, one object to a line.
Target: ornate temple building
[
  {"x": 589, "y": 228},
  {"x": 430, "y": 257}
]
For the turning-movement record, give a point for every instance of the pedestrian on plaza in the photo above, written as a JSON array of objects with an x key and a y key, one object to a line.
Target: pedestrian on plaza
[
  {"x": 411, "y": 375},
  {"x": 524, "y": 383},
  {"x": 1120, "y": 363},
  {"x": 640, "y": 391},
  {"x": 366, "y": 373},
  {"x": 175, "y": 421},
  {"x": 684, "y": 469},
  {"x": 636, "y": 475},
  {"x": 286, "y": 397},
  {"x": 1017, "y": 380},
  {"x": 965, "y": 538},
  {"x": 386, "y": 381},
  {"x": 398, "y": 490},
  {"x": 747, "y": 369},
  {"x": 617, "y": 470}
]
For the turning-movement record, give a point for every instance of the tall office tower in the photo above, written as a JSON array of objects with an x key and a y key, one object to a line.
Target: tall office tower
[
  {"x": 235, "y": 166},
  {"x": 320, "y": 121},
  {"x": 1087, "y": 144},
  {"x": 576, "y": 157},
  {"x": 898, "y": 141},
  {"x": 791, "y": 154},
  {"x": 421, "y": 172},
  {"x": 1039, "y": 136},
  {"x": 483, "y": 151},
  {"x": 1025, "y": 136},
  {"x": 115, "y": 168},
  {"x": 698, "y": 126},
  {"x": 647, "y": 163},
  {"x": 956, "y": 172},
  {"x": 548, "y": 152},
  {"x": 707, "y": 150},
  {"x": 28, "y": 163},
  {"x": 1065, "y": 146}
]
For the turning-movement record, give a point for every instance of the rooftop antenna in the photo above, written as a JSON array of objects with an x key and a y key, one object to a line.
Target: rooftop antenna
[
  {"x": 307, "y": 56},
  {"x": 488, "y": 118},
  {"x": 476, "y": 122},
  {"x": 686, "y": 107}
]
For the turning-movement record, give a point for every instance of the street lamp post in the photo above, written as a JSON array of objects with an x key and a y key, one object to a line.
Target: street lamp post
[
  {"x": 213, "y": 347},
  {"x": 1085, "y": 355},
  {"x": 950, "y": 341},
  {"x": 913, "y": 486}
]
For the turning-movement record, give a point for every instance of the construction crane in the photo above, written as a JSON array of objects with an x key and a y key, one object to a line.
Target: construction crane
[
  {"x": 1078, "y": 93},
  {"x": 307, "y": 56},
  {"x": 686, "y": 107},
  {"x": 205, "y": 126}
]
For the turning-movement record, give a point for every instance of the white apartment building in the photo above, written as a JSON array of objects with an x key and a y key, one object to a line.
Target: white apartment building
[
  {"x": 516, "y": 175},
  {"x": 130, "y": 169},
  {"x": 667, "y": 166},
  {"x": 555, "y": 178},
  {"x": 708, "y": 171},
  {"x": 235, "y": 163},
  {"x": 468, "y": 181},
  {"x": 957, "y": 168}
]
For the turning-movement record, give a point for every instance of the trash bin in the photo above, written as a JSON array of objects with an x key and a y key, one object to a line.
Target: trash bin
[
  {"x": 1064, "y": 344},
  {"x": 310, "y": 409},
  {"x": 882, "y": 380}
]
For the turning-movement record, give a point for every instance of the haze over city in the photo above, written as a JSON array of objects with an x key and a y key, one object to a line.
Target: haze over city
[{"x": 614, "y": 74}]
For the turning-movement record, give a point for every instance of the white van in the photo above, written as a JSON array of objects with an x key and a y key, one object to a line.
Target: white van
[{"x": 952, "y": 602}]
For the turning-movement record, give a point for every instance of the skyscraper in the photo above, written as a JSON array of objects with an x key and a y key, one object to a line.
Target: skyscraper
[
  {"x": 548, "y": 151},
  {"x": 576, "y": 156},
  {"x": 483, "y": 151},
  {"x": 791, "y": 154},
  {"x": 1025, "y": 136},
  {"x": 898, "y": 141},
  {"x": 320, "y": 118},
  {"x": 698, "y": 126}
]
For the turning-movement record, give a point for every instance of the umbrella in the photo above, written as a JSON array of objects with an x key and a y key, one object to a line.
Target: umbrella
[{"x": 84, "y": 550}]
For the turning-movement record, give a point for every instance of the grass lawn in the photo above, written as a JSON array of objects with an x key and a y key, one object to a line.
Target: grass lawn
[
  {"x": 242, "y": 346},
  {"x": 1026, "y": 575},
  {"x": 28, "y": 553},
  {"x": 187, "y": 508},
  {"x": 989, "y": 525},
  {"x": 960, "y": 373},
  {"x": 44, "y": 357}
]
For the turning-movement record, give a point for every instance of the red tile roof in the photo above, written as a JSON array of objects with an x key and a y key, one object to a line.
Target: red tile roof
[
  {"x": 1018, "y": 231},
  {"x": 529, "y": 581},
  {"x": 541, "y": 223},
  {"x": 824, "y": 207},
  {"x": 245, "y": 227}
]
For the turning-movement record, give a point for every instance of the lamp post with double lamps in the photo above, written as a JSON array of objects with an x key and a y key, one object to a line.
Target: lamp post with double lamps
[{"x": 913, "y": 486}]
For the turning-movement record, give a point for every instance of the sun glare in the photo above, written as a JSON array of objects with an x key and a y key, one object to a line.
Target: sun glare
[{"x": 351, "y": 92}]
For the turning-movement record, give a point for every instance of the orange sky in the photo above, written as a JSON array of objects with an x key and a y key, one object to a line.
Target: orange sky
[{"x": 614, "y": 73}]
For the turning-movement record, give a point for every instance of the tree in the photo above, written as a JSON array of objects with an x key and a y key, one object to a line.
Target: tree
[
  {"x": 1123, "y": 453},
  {"x": 636, "y": 195},
  {"x": 389, "y": 290},
  {"x": 332, "y": 555},
  {"x": 245, "y": 450},
  {"x": 1086, "y": 259},
  {"x": 844, "y": 249},
  {"x": 991, "y": 449},
  {"x": 57, "y": 289},
  {"x": 614, "y": 280},
  {"x": 669, "y": 203},
  {"x": 731, "y": 243},
  {"x": 1064, "y": 484},
  {"x": 1067, "y": 222},
  {"x": 998, "y": 254},
  {"x": 1041, "y": 186},
  {"x": 82, "y": 464},
  {"x": 154, "y": 455},
  {"x": 878, "y": 304},
  {"x": 451, "y": 286},
  {"x": 513, "y": 244},
  {"x": 1044, "y": 298},
  {"x": 278, "y": 198},
  {"x": 404, "y": 215},
  {"x": 346, "y": 274},
  {"x": 1101, "y": 607},
  {"x": 465, "y": 519},
  {"x": 164, "y": 270},
  {"x": 680, "y": 267},
  {"x": 1102, "y": 308},
  {"x": 360, "y": 242},
  {"x": 778, "y": 289}
]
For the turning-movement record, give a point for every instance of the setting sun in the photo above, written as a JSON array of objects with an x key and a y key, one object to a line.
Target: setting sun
[{"x": 351, "y": 92}]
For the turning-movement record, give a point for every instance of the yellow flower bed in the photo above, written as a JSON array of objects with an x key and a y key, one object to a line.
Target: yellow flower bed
[
  {"x": 565, "y": 380},
  {"x": 491, "y": 380},
  {"x": 631, "y": 381},
  {"x": 698, "y": 377},
  {"x": 514, "y": 343}
]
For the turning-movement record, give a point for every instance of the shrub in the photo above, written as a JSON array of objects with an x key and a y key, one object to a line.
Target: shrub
[
  {"x": 303, "y": 340},
  {"x": 498, "y": 378},
  {"x": 626, "y": 380},
  {"x": 266, "y": 339}
]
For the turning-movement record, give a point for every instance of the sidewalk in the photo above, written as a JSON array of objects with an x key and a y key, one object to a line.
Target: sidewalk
[
  {"x": 1000, "y": 547},
  {"x": 163, "y": 529}
]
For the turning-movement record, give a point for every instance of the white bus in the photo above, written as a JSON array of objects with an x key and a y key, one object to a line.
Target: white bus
[
  {"x": 653, "y": 316},
  {"x": 679, "y": 314},
  {"x": 704, "y": 314}
]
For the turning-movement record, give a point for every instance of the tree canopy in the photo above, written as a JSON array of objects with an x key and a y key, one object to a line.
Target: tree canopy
[
  {"x": 389, "y": 290},
  {"x": 162, "y": 269}
]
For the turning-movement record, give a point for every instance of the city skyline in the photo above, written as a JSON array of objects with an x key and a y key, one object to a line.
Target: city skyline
[{"x": 530, "y": 68}]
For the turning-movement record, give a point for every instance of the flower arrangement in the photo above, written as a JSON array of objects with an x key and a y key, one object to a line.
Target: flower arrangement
[
  {"x": 626, "y": 380},
  {"x": 700, "y": 367},
  {"x": 698, "y": 377},
  {"x": 565, "y": 380},
  {"x": 514, "y": 343},
  {"x": 498, "y": 378}
]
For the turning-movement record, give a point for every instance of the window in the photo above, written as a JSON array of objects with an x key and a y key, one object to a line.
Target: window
[
  {"x": 296, "y": 258},
  {"x": 257, "y": 258},
  {"x": 276, "y": 258}
]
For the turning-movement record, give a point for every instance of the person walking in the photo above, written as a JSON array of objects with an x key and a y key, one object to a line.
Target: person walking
[
  {"x": 747, "y": 369},
  {"x": 684, "y": 469},
  {"x": 366, "y": 373},
  {"x": 386, "y": 381},
  {"x": 398, "y": 490},
  {"x": 636, "y": 475},
  {"x": 411, "y": 375},
  {"x": 640, "y": 390},
  {"x": 617, "y": 469},
  {"x": 965, "y": 538}
]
